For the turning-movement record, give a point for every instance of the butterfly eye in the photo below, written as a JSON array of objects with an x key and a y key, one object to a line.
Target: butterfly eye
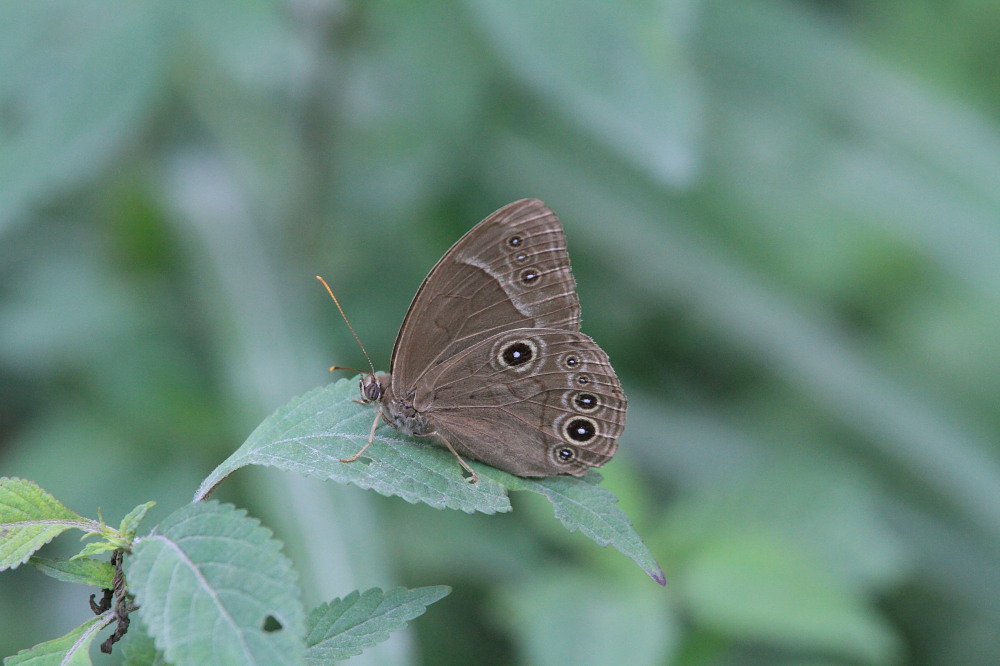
[
  {"x": 530, "y": 276},
  {"x": 586, "y": 402},
  {"x": 580, "y": 429}
]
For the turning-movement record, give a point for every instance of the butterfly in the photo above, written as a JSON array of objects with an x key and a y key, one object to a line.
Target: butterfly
[{"x": 490, "y": 361}]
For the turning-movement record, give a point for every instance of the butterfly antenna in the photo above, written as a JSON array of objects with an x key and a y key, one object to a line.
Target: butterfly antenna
[{"x": 341, "y": 310}]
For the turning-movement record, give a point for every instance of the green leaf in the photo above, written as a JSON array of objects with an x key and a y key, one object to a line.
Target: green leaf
[
  {"x": 206, "y": 582},
  {"x": 344, "y": 627},
  {"x": 95, "y": 548},
  {"x": 581, "y": 504},
  {"x": 131, "y": 521},
  {"x": 73, "y": 649},
  {"x": 85, "y": 572},
  {"x": 29, "y": 519},
  {"x": 312, "y": 433}
]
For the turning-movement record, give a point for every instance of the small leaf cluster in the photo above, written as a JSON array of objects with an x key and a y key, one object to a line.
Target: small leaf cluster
[{"x": 211, "y": 586}]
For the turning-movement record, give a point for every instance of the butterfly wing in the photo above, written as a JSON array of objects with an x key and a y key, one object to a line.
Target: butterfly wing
[
  {"x": 509, "y": 271},
  {"x": 533, "y": 402}
]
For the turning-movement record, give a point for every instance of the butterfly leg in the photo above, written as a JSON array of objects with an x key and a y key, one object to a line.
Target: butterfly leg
[
  {"x": 472, "y": 479},
  {"x": 371, "y": 438}
]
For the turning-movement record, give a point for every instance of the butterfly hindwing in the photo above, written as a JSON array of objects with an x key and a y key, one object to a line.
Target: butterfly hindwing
[{"x": 533, "y": 402}]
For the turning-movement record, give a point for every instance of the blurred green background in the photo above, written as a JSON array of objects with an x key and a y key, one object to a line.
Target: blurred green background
[{"x": 784, "y": 219}]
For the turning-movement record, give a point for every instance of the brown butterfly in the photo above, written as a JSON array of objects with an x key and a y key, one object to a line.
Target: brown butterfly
[{"x": 490, "y": 361}]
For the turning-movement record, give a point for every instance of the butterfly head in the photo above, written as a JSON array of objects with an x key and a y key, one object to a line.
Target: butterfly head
[{"x": 373, "y": 386}]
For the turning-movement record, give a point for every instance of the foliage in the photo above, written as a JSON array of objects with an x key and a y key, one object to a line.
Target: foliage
[
  {"x": 782, "y": 219},
  {"x": 206, "y": 583},
  {"x": 211, "y": 585}
]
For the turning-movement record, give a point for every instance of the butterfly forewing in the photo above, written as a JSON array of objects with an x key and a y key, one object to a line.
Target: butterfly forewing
[{"x": 509, "y": 271}]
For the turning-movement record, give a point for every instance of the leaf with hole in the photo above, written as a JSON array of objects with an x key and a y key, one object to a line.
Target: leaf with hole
[{"x": 208, "y": 580}]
